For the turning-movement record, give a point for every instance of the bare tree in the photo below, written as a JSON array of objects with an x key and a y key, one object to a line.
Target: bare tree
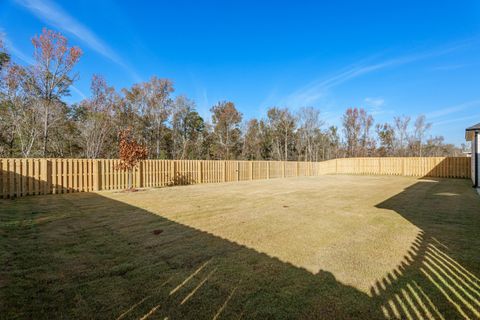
[
  {"x": 152, "y": 101},
  {"x": 226, "y": 125},
  {"x": 282, "y": 124},
  {"x": 367, "y": 144},
  {"x": 96, "y": 122},
  {"x": 386, "y": 136},
  {"x": 35, "y": 120},
  {"x": 333, "y": 139},
  {"x": 187, "y": 128},
  {"x": 309, "y": 132},
  {"x": 352, "y": 129},
  {"x": 252, "y": 141},
  {"x": 420, "y": 129},
  {"x": 401, "y": 137},
  {"x": 49, "y": 79},
  {"x": 20, "y": 110}
]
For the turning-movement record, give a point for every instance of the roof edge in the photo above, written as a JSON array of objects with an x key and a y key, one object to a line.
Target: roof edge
[{"x": 475, "y": 127}]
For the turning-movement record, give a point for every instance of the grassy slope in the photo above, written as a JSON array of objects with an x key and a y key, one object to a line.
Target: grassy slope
[{"x": 330, "y": 247}]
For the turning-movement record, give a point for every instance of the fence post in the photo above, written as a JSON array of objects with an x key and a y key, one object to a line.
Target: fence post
[
  {"x": 2, "y": 189},
  {"x": 44, "y": 176},
  {"x": 172, "y": 171},
  {"x": 238, "y": 170},
  {"x": 283, "y": 169},
  {"x": 224, "y": 171},
  {"x": 200, "y": 171},
  {"x": 298, "y": 168},
  {"x": 268, "y": 169},
  {"x": 96, "y": 175},
  {"x": 12, "y": 178},
  {"x": 138, "y": 175},
  {"x": 251, "y": 170},
  {"x": 53, "y": 177}
]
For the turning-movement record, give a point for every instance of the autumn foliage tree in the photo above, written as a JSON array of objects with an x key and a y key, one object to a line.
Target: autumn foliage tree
[
  {"x": 50, "y": 77},
  {"x": 36, "y": 121},
  {"x": 130, "y": 153}
]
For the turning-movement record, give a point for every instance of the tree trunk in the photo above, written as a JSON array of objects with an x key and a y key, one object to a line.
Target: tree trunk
[
  {"x": 45, "y": 132},
  {"x": 130, "y": 178}
]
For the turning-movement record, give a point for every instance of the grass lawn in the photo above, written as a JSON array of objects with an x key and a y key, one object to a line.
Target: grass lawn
[{"x": 330, "y": 247}]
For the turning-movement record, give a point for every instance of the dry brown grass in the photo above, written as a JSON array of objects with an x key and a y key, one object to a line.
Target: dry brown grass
[
  {"x": 326, "y": 247},
  {"x": 316, "y": 224}
]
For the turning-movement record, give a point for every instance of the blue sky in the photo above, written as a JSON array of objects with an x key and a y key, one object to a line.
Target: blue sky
[{"x": 389, "y": 57}]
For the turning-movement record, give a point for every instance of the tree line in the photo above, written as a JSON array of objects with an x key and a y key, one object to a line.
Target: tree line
[{"x": 35, "y": 120}]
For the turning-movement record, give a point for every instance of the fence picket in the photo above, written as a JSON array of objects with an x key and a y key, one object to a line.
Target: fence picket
[{"x": 21, "y": 177}]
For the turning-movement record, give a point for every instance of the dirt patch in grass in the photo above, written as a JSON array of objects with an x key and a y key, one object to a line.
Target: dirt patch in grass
[{"x": 332, "y": 247}]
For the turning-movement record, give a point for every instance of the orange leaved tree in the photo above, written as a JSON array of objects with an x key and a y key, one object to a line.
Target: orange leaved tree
[{"x": 131, "y": 152}]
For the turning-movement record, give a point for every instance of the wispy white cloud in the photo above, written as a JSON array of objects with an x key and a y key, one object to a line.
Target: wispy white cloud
[
  {"x": 375, "y": 106},
  {"x": 13, "y": 50},
  {"x": 449, "y": 67},
  {"x": 268, "y": 101},
  {"x": 374, "y": 102},
  {"x": 78, "y": 92},
  {"x": 453, "y": 109},
  {"x": 203, "y": 102},
  {"x": 458, "y": 119},
  {"x": 319, "y": 88},
  {"x": 205, "y": 105},
  {"x": 201, "y": 96},
  {"x": 50, "y": 13}
]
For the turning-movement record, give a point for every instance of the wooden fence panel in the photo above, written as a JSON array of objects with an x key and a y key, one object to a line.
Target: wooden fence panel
[{"x": 22, "y": 177}]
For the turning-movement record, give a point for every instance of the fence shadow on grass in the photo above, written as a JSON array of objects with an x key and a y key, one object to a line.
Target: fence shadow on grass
[
  {"x": 84, "y": 255},
  {"x": 439, "y": 278}
]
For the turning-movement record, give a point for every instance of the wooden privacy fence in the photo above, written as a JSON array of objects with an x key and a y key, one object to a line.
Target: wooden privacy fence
[
  {"x": 21, "y": 177},
  {"x": 440, "y": 167}
]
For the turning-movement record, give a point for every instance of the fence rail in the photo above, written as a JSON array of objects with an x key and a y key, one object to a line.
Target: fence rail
[{"x": 22, "y": 177}]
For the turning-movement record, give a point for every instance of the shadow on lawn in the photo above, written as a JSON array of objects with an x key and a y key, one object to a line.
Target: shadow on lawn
[
  {"x": 433, "y": 281},
  {"x": 106, "y": 259},
  {"x": 85, "y": 256}
]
